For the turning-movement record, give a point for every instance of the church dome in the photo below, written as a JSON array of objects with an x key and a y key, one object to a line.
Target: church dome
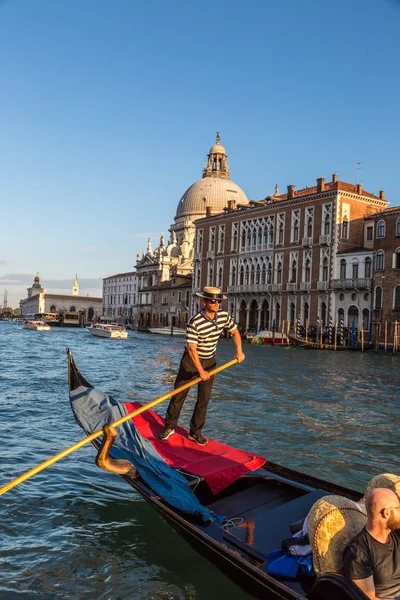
[
  {"x": 217, "y": 149},
  {"x": 209, "y": 191}
]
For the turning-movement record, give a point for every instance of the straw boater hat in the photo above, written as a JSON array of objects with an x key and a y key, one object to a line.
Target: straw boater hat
[{"x": 211, "y": 293}]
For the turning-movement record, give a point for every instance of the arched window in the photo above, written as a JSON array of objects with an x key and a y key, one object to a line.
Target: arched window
[
  {"x": 246, "y": 275},
  {"x": 243, "y": 238},
  {"x": 292, "y": 313},
  {"x": 309, "y": 226},
  {"x": 248, "y": 238},
  {"x": 368, "y": 268},
  {"x": 259, "y": 239},
  {"x": 327, "y": 228},
  {"x": 379, "y": 260},
  {"x": 279, "y": 273},
  {"x": 396, "y": 298},
  {"x": 271, "y": 234},
  {"x": 380, "y": 229},
  {"x": 280, "y": 233},
  {"x": 53, "y": 308},
  {"x": 325, "y": 269},
  {"x": 323, "y": 313},
  {"x": 354, "y": 269},
  {"x": 378, "y": 297},
  {"x": 294, "y": 271},
  {"x": 307, "y": 271},
  {"x": 343, "y": 265},
  {"x": 306, "y": 313},
  {"x": 220, "y": 272},
  {"x": 254, "y": 237},
  {"x": 345, "y": 228},
  {"x": 233, "y": 275},
  {"x": 396, "y": 259},
  {"x": 269, "y": 273},
  {"x": 252, "y": 275},
  {"x": 398, "y": 226},
  {"x": 72, "y": 309},
  {"x": 258, "y": 274},
  {"x": 365, "y": 318},
  {"x": 263, "y": 273},
  {"x": 278, "y": 315},
  {"x": 241, "y": 276}
]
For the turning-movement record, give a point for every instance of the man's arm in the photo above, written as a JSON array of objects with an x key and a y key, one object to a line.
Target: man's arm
[
  {"x": 367, "y": 586},
  {"x": 237, "y": 339},
  {"x": 192, "y": 350}
]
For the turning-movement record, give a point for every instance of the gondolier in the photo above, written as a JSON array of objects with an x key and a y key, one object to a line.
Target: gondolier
[{"x": 203, "y": 332}]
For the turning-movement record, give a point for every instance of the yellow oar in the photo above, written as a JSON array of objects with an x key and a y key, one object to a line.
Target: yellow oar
[{"x": 98, "y": 433}]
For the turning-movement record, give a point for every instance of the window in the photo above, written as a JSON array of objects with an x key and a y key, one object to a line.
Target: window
[
  {"x": 235, "y": 233},
  {"x": 221, "y": 238},
  {"x": 326, "y": 219},
  {"x": 368, "y": 268},
  {"x": 269, "y": 273},
  {"x": 378, "y": 298},
  {"x": 380, "y": 230},
  {"x": 212, "y": 239},
  {"x": 279, "y": 273},
  {"x": 199, "y": 248},
  {"x": 398, "y": 226},
  {"x": 258, "y": 273},
  {"x": 252, "y": 275},
  {"x": 309, "y": 218},
  {"x": 345, "y": 229},
  {"x": 379, "y": 260},
  {"x": 396, "y": 298},
  {"x": 354, "y": 271},
  {"x": 369, "y": 233},
  {"x": 295, "y": 226},
  {"x": 396, "y": 259},
  {"x": 293, "y": 277},
  {"x": 179, "y": 296},
  {"x": 307, "y": 271},
  {"x": 241, "y": 275},
  {"x": 343, "y": 269},
  {"x": 325, "y": 269}
]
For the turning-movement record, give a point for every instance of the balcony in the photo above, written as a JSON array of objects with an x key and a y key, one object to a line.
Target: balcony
[
  {"x": 210, "y": 253},
  {"x": 324, "y": 240},
  {"x": 306, "y": 241},
  {"x": 352, "y": 284},
  {"x": 322, "y": 285},
  {"x": 305, "y": 286},
  {"x": 249, "y": 289},
  {"x": 276, "y": 287},
  {"x": 291, "y": 287}
]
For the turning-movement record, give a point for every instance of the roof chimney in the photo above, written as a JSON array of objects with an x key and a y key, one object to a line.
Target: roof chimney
[
  {"x": 290, "y": 191},
  {"x": 334, "y": 178},
  {"x": 231, "y": 204},
  {"x": 359, "y": 188},
  {"x": 208, "y": 211},
  {"x": 321, "y": 184},
  {"x": 382, "y": 195}
]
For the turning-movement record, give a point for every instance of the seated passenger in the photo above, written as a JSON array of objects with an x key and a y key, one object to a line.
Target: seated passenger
[{"x": 372, "y": 559}]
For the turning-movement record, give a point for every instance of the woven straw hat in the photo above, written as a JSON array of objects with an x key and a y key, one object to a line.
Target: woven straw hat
[{"x": 211, "y": 293}]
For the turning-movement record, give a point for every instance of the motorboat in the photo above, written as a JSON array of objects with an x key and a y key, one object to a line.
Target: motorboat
[
  {"x": 167, "y": 330},
  {"x": 36, "y": 325},
  {"x": 235, "y": 508},
  {"x": 270, "y": 337},
  {"x": 108, "y": 330}
]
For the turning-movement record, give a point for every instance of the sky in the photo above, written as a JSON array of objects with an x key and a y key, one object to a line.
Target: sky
[{"x": 109, "y": 108}]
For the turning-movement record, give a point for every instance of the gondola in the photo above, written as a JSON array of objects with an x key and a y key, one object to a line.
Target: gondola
[
  {"x": 308, "y": 345},
  {"x": 232, "y": 507}
]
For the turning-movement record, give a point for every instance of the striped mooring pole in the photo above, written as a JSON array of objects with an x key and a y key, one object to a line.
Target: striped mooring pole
[
  {"x": 330, "y": 332},
  {"x": 341, "y": 331}
]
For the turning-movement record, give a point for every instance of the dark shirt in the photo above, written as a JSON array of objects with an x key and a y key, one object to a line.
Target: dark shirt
[{"x": 365, "y": 556}]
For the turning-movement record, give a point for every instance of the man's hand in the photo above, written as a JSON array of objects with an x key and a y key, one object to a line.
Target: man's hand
[
  {"x": 240, "y": 356},
  {"x": 205, "y": 375}
]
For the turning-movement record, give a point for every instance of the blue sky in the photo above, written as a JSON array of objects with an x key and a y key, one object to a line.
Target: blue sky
[{"x": 108, "y": 110}]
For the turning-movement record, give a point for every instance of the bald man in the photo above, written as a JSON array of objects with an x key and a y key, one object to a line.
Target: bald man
[{"x": 372, "y": 559}]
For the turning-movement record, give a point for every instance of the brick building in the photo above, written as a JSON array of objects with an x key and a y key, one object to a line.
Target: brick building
[
  {"x": 278, "y": 258},
  {"x": 382, "y": 233}
]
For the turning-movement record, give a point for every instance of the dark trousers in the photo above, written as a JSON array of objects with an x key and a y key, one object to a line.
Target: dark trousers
[{"x": 187, "y": 372}]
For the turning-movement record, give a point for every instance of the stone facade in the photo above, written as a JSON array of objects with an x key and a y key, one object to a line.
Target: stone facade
[
  {"x": 382, "y": 233},
  {"x": 119, "y": 298},
  {"x": 277, "y": 257}
]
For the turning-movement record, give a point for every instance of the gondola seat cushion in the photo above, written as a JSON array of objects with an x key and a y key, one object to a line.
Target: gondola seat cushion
[{"x": 332, "y": 523}]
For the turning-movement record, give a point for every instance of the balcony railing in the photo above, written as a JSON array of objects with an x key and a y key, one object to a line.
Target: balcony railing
[
  {"x": 276, "y": 287},
  {"x": 291, "y": 287},
  {"x": 210, "y": 253},
  {"x": 352, "y": 284},
  {"x": 305, "y": 286},
  {"x": 324, "y": 239},
  {"x": 306, "y": 241},
  {"x": 322, "y": 285},
  {"x": 254, "y": 288}
]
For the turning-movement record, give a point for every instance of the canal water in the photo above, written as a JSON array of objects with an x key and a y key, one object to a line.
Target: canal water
[{"x": 74, "y": 531}]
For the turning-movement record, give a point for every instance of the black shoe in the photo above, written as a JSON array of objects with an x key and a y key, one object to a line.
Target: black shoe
[
  {"x": 165, "y": 433},
  {"x": 198, "y": 438}
]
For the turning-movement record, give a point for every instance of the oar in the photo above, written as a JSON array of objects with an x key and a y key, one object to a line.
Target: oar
[{"x": 96, "y": 434}]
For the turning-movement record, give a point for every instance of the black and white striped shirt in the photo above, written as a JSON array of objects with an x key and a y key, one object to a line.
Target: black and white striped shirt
[{"x": 205, "y": 332}]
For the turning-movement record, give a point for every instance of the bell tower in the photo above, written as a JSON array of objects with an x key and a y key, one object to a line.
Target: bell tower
[
  {"x": 75, "y": 287},
  {"x": 217, "y": 165}
]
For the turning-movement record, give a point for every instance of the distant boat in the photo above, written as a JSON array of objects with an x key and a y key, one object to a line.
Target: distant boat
[
  {"x": 108, "y": 330},
  {"x": 167, "y": 330},
  {"x": 36, "y": 325},
  {"x": 318, "y": 346},
  {"x": 270, "y": 337}
]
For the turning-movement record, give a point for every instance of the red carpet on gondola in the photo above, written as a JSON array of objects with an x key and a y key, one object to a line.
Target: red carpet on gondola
[{"x": 220, "y": 465}]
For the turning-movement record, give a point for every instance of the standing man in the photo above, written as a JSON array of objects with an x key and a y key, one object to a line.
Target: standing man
[
  {"x": 372, "y": 559},
  {"x": 202, "y": 335}
]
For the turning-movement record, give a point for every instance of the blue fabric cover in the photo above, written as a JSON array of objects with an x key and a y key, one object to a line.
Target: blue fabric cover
[
  {"x": 283, "y": 564},
  {"x": 93, "y": 409}
]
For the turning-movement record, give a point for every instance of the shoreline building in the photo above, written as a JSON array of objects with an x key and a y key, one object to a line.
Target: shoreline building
[
  {"x": 382, "y": 234},
  {"x": 165, "y": 274},
  {"x": 280, "y": 258},
  {"x": 39, "y": 302},
  {"x": 119, "y": 297}
]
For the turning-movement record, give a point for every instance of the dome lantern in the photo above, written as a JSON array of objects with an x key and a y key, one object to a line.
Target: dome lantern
[{"x": 217, "y": 165}]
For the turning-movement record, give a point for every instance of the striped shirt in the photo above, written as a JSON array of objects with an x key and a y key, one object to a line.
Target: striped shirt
[{"x": 205, "y": 332}]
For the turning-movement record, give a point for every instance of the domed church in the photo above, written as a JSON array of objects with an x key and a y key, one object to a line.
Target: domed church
[{"x": 174, "y": 261}]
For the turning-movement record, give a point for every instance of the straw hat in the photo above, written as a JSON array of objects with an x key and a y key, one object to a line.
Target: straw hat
[{"x": 211, "y": 293}]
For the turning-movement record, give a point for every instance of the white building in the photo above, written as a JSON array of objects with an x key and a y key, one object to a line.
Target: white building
[
  {"x": 119, "y": 297},
  {"x": 39, "y": 302}
]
